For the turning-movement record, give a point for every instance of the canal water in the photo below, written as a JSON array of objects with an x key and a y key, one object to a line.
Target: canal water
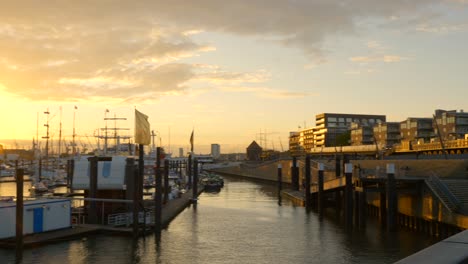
[{"x": 241, "y": 224}]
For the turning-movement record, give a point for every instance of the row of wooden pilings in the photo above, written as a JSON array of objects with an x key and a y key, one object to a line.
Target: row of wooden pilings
[{"x": 354, "y": 200}]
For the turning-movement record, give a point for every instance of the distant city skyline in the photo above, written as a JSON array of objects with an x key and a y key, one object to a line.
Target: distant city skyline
[{"x": 227, "y": 70}]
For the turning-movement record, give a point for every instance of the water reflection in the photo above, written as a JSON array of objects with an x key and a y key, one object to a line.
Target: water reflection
[{"x": 241, "y": 224}]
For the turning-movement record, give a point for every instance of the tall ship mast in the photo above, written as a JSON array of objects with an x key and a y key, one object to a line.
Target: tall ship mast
[{"x": 112, "y": 133}]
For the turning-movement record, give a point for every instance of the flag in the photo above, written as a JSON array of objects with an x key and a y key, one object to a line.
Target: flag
[
  {"x": 191, "y": 142},
  {"x": 142, "y": 129}
]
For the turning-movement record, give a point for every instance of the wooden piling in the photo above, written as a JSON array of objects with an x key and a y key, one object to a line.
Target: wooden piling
[
  {"x": 189, "y": 170},
  {"x": 392, "y": 202},
  {"x": 337, "y": 166},
  {"x": 93, "y": 182},
  {"x": 294, "y": 175},
  {"x": 19, "y": 213},
  {"x": 166, "y": 181},
  {"x": 349, "y": 195},
  {"x": 383, "y": 206},
  {"x": 308, "y": 201},
  {"x": 158, "y": 193},
  {"x": 320, "y": 200},
  {"x": 362, "y": 209},
  {"x": 195, "y": 181},
  {"x": 135, "y": 177},
  {"x": 280, "y": 182}
]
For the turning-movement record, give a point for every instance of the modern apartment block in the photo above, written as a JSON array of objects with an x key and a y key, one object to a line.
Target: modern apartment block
[
  {"x": 451, "y": 124},
  {"x": 330, "y": 126},
  {"x": 387, "y": 134},
  {"x": 416, "y": 129},
  {"x": 361, "y": 134}
]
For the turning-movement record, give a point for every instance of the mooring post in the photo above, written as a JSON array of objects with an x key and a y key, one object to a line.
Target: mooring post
[
  {"x": 166, "y": 181},
  {"x": 189, "y": 170},
  {"x": 392, "y": 202},
  {"x": 337, "y": 166},
  {"x": 93, "y": 182},
  {"x": 68, "y": 172},
  {"x": 294, "y": 175},
  {"x": 383, "y": 205},
  {"x": 129, "y": 181},
  {"x": 362, "y": 208},
  {"x": 19, "y": 214},
  {"x": 320, "y": 189},
  {"x": 158, "y": 193},
  {"x": 195, "y": 181},
  {"x": 136, "y": 190},
  {"x": 349, "y": 195},
  {"x": 307, "y": 183},
  {"x": 70, "y": 176},
  {"x": 280, "y": 182}
]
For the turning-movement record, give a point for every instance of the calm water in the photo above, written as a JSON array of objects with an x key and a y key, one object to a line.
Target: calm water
[{"x": 241, "y": 224}]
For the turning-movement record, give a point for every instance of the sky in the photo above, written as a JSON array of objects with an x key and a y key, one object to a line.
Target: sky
[{"x": 231, "y": 71}]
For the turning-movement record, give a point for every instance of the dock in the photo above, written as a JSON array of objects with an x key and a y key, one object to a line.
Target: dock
[{"x": 169, "y": 211}]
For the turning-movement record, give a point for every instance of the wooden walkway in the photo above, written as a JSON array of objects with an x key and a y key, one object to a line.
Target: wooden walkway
[{"x": 169, "y": 212}]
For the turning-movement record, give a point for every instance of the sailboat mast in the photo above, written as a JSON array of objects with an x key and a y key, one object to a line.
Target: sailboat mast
[
  {"x": 60, "y": 135},
  {"x": 73, "y": 135}
]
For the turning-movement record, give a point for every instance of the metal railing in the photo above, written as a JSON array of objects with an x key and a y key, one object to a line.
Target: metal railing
[{"x": 440, "y": 189}]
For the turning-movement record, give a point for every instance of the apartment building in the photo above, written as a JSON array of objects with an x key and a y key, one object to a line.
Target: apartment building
[
  {"x": 451, "y": 124},
  {"x": 330, "y": 126},
  {"x": 416, "y": 129},
  {"x": 387, "y": 134}
]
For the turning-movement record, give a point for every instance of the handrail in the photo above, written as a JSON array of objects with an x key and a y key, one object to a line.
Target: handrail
[{"x": 454, "y": 202}]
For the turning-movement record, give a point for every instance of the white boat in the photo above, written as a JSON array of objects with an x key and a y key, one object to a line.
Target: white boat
[{"x": 39, "y": 187}]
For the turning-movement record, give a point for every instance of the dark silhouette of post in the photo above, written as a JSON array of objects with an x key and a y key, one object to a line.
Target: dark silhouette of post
[
  {"x": 362, "y": 208},
  {"x": 166, "y": 181},
  {"x": 337, "y": 166},
  {"x": 136, "y": 191},
  {"x": 195, "y": 181},
  {"x": 141, "y": 170},
  {"x": 189, "y": 171},
  {"x": 349, "y": 195},
  {"x": 19, "y": 213},
  {"x": 158, "y": 193},
  {"x": 70, "y": 172},
  {"x": 307, "y": 183},
  {"x": 320, "y": 199},
  {"x": 392, "y": 202},
  {"x": 383, "y": 205},
  {"x": 280, "y": 182},
  {"x": 93, "y": 182},
  {"x": 129, "y": 181},
  {"x": 294, "y": 175}
]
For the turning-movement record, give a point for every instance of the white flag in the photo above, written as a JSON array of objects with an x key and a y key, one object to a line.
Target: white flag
[{"x": 142, "y": 129}]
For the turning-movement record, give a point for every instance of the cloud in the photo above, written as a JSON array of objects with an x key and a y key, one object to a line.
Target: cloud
[
  {"x": 266, "y": 92},
  {"x": 126, "y": 50},
  {"x": 441, "y": 29},
  {"x": 218, "y": 76},
  {"x": 377, "y": 58}
]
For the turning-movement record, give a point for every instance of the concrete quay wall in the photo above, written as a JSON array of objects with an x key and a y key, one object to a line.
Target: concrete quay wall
[{"x": 418, "y": 205}]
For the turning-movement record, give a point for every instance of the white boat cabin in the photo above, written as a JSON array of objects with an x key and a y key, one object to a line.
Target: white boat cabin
[{"x": 39, "y": 216}]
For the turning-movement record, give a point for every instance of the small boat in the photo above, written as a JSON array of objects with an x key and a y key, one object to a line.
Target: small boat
[
  {"x": 39, "y": 187},
  {"x": 147, "y": 184},
  {"x": 60, "y": 183},
  {"x": 212, "y": 182}
]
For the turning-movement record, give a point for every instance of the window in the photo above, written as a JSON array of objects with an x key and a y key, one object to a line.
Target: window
[{"x": 332, "y": 119}]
